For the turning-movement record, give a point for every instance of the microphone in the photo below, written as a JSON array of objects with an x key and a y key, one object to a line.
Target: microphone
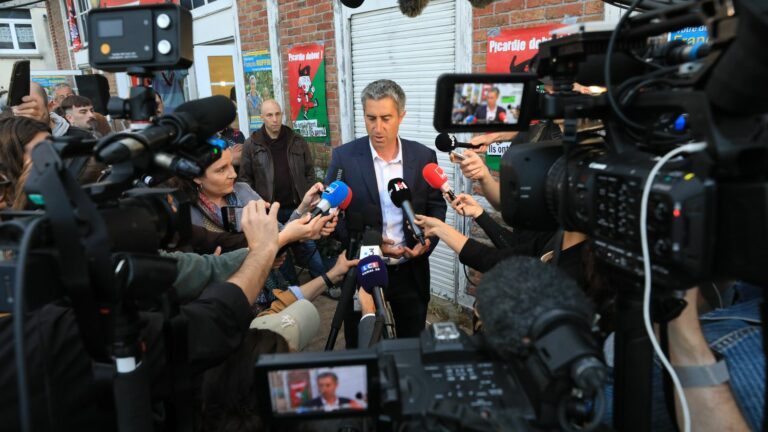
[
  {"x": 532, "y": 310},
  {"x": 370, "y": 245},
  {"x": 436, "y": 177},
  {"x": 401, "y": 197},
  {"x": 344, "y": 204},
  {"x": 352, "y": 3},
  {"x": 372, "y": 277},
  {"x": 202, "y": 118},
  {"x": 502, "y": 117},
  {"x": 355, "y": 229},
  {"x": 332, "y": 196},
  {"x": 412, "y": 8},
  {"x": 447, "y": 143}
]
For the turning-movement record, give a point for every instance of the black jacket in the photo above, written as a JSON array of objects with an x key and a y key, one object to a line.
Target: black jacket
[
  {"x": 257, "y": 168},
  {"x": 318, "y": 402}
]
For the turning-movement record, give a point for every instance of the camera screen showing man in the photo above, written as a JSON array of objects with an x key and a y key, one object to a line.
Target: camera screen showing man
[
  {"x": 317, "y": 390},
  {"x": 499, "y": 103}
]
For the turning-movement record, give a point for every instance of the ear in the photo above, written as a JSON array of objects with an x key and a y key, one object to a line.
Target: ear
[
  {"x": 402, "y": 115},
  {"x": 197, "y": 181}
]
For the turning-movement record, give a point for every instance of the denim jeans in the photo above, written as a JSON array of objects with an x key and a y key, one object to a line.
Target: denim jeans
[
  {"x": 735, "y": 333},
  {"x": 306, "y": 253}
]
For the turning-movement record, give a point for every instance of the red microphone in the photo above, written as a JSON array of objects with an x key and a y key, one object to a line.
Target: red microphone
[
  {"x": 435, "y": 176},
  {"x": 344, "y": 204},
  {"x": 502, "y": 116}
]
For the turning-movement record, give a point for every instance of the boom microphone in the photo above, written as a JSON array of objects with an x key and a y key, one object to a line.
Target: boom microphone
[
  {"x": 436, "y": 177},
  {"x": 447, "y": 143},
  {"x": 401, "y": 197},
  {"x": 332, "y": 196},
  {"x": 412, "y": 8},
  {"x": 202, "y": 118},
  {"x": 532, "y": 310}
]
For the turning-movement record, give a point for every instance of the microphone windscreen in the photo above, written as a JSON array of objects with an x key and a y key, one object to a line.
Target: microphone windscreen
[
  {"x": 371, "y": 238},
  {"x": 398, "y": 191},
  {"x": 518, "y": 291},
  {"x": 344, "y": 204},
  {"x": 354, "y": 222},
  {"x": 371, "y": 272},
  {"x": 503, "y": 117},
  {"x": 444, "y": 143},
  {"x": 336, "y": 193},
  {"x": 352, "y": 3},
  {"x": 479, "y": 4},
  {"x": 412, "y": 8},
  {"x": 211, "y": 114},
  {"x": 434, "y": 175}
]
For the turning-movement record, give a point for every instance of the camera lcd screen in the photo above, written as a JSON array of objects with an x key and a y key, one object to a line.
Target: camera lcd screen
[
  {"x": 487, "y": 103},
  {"x": 314, "y": 391},
  {"x": 110, "y": 28}
]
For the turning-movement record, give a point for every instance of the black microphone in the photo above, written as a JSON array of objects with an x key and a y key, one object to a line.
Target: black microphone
[
  {"x": 202, "y": 118},
  {"x": 372, "y": 277},
  {"x": 401, "y": 197},
  {"x": 447, "y": 143},
  {"x": 532, "y": 310},
  {"x": 355, "y": 230}
]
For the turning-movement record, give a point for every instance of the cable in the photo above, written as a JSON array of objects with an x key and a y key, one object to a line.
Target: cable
[
  {"x": 687, "y": 148},
  {"x": 18, "y": 323}
]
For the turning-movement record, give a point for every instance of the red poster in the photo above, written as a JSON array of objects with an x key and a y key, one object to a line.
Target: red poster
[
  {"x": 74, "y": 33},
  {"x": 118, "y": 3},
  {"x": 512, "y": 49},
  {"x": 306, "y": 86}
]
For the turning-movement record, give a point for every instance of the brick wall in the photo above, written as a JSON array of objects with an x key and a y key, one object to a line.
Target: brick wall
[{"x": 58, "y": 32}]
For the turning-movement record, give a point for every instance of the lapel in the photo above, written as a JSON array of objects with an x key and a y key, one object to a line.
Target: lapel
[
  {"x": 409, "y": 165},
  {"x": 367, "y": 171}
]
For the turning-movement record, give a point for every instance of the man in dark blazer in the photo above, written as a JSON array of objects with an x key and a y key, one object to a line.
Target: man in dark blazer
[
  {"x": 327, "y": 382},
  {"x": 498, "y": 114},
  {"x": 367, "y": 165}
]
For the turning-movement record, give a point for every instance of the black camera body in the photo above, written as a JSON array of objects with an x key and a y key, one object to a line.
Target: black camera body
[{"x": 445, "y": 377}]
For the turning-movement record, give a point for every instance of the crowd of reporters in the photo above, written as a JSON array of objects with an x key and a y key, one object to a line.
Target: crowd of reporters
[{"x": 232, "y": 286}]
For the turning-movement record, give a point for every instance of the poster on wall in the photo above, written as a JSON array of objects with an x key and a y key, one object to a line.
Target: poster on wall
[
  {"x": 510, "y": 50},
  {"x": 306, "y": 85},
  {"x": 50, "y": 79},
  {"x": 257, "y": 67}
]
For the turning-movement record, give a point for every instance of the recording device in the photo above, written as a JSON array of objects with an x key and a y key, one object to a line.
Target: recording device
[
  {"x": 333, "y": 195},
  {"x": 19, "y": 85},
  {"x": 436, "y": 177},
  {"x": 231, "y": 217},
  {"x": 467, "y": 102},
  {"x": 372, "y": 277},
  {"x": 447, "y": 143},
  {"x": 148, "y": 36},
  {"x": 344, "y": 204},
  {"x": 96, "y": 88},
  {"x": 97, "y": 245},
  {"x": 400, "y": 195}
]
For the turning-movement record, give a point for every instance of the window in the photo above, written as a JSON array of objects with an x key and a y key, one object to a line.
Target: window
[
  {"x": 16, "y": 34},
  {"x": 193, "y": 4},
  {"x": 81, "y": 14}
]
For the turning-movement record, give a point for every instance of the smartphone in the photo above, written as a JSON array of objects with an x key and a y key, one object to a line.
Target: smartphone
[
  {"x": 457, "y": 156},
  {"x": 231, "y": 216},
  {"x": 19, "y": 86}
]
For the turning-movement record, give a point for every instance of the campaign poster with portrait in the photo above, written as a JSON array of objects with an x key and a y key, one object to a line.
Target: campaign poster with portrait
[
  {"x": 511, "y": 50},
  {"x": 257, "y": 67},
  {"x": 50, "y": 79},
  {"x": 306, "y": 85}
]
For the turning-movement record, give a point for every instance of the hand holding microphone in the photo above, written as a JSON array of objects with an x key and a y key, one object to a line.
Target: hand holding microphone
[
  {"x": 400, "y": 195},
  {"x": 333, "y": 195},
  {"x": 466, "y": 205}
]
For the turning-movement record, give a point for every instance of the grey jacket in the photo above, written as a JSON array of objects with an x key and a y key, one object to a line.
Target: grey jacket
[{"x": 257, "y": 168}]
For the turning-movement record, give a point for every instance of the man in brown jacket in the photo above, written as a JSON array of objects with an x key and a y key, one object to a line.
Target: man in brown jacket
[{"x": 279, "y": 166}]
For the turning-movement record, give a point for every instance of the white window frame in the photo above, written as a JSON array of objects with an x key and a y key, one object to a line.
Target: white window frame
[
  {"x": 16, "y": 50},
  {"x": 210, "y": 8}
]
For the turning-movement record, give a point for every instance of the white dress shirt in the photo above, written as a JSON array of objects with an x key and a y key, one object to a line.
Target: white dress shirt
[
  {"x": 491, "y": 115},
  {"x": 391, "y": 215},
  {"x": 327, "y": 407}
]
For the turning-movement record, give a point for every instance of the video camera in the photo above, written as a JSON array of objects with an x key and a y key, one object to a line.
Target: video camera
[
  {"x": 95, "y": 247},
  {"x": 708, "y": 211}
]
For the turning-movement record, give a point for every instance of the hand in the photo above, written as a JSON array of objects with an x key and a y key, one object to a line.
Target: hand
[
  {"x": 467, "y": 206},
  {"x": 432, "y": 226},
  {"x": 217, "y": 252},
  {"x": 330, "y": 226},
  {"x": 337, "y": 272},
  {"x": 279, "y": 261},
  {"x": 305, "y": 228},
  {"x": 237, "y": 154},
  {"x": 260, "y": 227},
  {"x": 687, "y": 345},
  {"x": 473, "y": 167},
  {"x": 367, "y": 305},
  {"x": 483, "y": 141},
  {"x": 418, "y": 250},
  {"x": 30, "y": 107},
  {"x": 389, "y": 249},
  {"x": 311, "y": 198}
]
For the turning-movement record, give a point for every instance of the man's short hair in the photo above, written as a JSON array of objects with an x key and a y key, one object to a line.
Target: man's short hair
[
  {"x": 75, "y": 101},
  {"x": 60, "y": 86},
  {"x": 328, "y": 375},
  {"x": 380, "y": 89},
  {"x": 495, "y": 90}
]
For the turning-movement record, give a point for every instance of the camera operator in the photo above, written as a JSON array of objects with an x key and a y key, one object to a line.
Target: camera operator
[{"x": 64, "y": 389}]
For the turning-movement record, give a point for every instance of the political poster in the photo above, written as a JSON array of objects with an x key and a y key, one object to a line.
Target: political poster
[
  {"x": 257, "y": 67},
  {"x": 691, "y": 35},
  {"x": 307, "y": 95},
  {"x": 50, "y": 79},
  {"x": 511, "y": 50}
]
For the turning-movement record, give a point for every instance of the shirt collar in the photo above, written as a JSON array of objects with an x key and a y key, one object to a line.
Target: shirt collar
[{"x": 398, "y": 158}]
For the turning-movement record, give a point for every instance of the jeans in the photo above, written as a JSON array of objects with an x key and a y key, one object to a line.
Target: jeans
[
  {"x": 306, "y": 254},
  {"x": 734, "y": 332}
]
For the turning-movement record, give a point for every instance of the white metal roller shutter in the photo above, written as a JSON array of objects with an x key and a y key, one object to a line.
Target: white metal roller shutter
[{"x": 412, "y": 52}]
